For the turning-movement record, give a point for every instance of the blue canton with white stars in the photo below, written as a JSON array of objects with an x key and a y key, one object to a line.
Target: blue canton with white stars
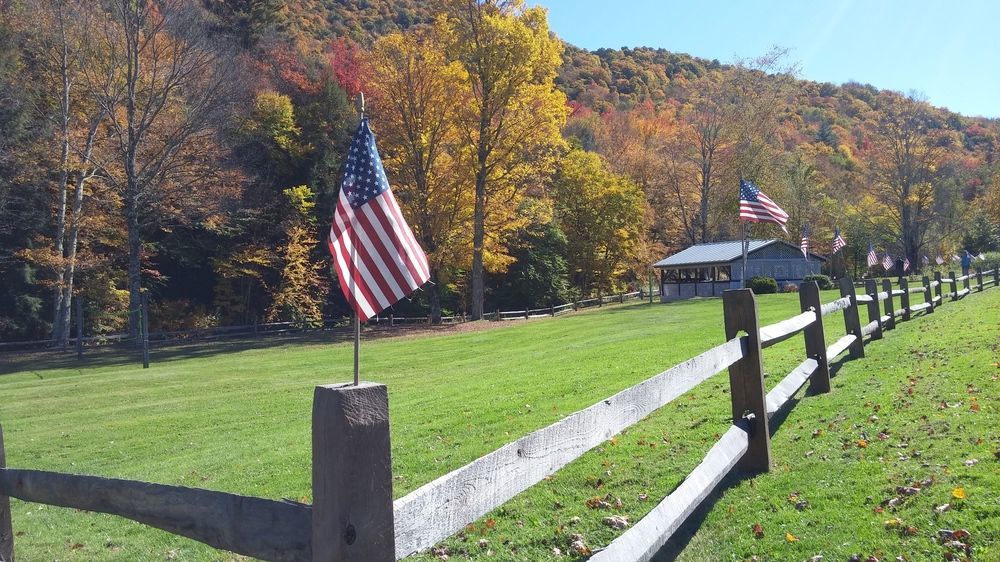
[
  {"x": 748, "y": 191},
  {"x": 364, "y": 178}
]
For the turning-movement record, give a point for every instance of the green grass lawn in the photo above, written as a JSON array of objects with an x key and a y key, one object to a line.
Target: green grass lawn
[{"x": 238, "y": 419}]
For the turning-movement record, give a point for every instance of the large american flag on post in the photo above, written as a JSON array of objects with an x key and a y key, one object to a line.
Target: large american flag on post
[
  {"x": 378, "y": 261},
  {"x": 838, "y": 242},
  {"x": 872, "y": 256},
  {"x": 755, "y": 206}
]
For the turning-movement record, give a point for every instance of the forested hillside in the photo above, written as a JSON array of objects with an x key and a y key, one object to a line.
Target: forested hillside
[{"x": 531, "y": 171}]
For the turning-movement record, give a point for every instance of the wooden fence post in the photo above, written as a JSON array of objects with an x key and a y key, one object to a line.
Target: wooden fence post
[
  {"x": 809, "y": 299},
  {"x": 746, "y": 378},
  {"x": 874, "y": 314},
  {"x": 940, "y": 286},
  {"x": 351, "y": 474},
  {"x": 890, "y": 310},
  {"x": 852, "y": 323},
  {"x": 996, "y": 275},
  {"x": 954, "y": 286},
  {"x": 6, "y": 525},
  {"x": 979, "y": 279},
  {"x": 525, "y": 311},
  {"x": 145, "y": 330},
  {"x": 929, "y": 295},
  {"x": 904, "y": 299},
  {"x": 965, "y": 283}
]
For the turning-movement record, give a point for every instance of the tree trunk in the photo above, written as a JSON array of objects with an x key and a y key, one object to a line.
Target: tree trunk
[
  {"x": 434, "y": 297},
  {"x": 479, "y": 219},
  {"x": 134, "y": 264},
  {"x": 58, "y": 322}
]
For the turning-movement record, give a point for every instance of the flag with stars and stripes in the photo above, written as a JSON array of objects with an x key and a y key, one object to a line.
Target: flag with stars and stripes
[
  {"x": 872, "y": 256},
  {"x": 378, "y": 261},
  {"x": 939, "y": 260},
  {"x": 755, "y": 206},
  {"x": 838, "y": 242},
  {"x": 927, "y": 260},
  {"x": 887, "y": 261},
  {"x": 906, "y": 264},
  {"x": 804, "y": 244}
]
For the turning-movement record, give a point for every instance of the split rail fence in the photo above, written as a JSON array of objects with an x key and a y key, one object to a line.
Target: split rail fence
[{"x": 353, "y": 515}]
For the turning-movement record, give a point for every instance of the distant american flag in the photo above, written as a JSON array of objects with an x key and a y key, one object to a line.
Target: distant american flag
[
  {"x": 755, "y": 206},
  {"x": 939, "y": 260},
  {"x": 804, "y": 244},
  {"x": 377, "y": 259},
  {"x": 927, "y": 260},
  {"x": 887, "y": 261},
  {"x": 872, "y": 256},
  {"x": 906, "y": 264},
  {"x": 838, "y": 242}
]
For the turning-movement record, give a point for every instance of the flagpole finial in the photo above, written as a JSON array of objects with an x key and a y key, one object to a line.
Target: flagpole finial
[{"x": 359, "y": 104}]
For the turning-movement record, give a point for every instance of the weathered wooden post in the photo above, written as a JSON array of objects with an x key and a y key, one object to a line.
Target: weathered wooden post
[
  {"x": 145, "y": 330},
  {"x": 996, "y": 275},
  {"x": 928, "y": 295},
  {"x": 525, "y": 311},
  {"x": 6, "y": 525},
  {"x": 621, "y": 298},
  {"x": 746, "y": 378},
  {"x": 965, "y": 282},
  {"x": 940, "y": 287},
  {"x": 979, "y": 279},
  {"x": 904, "y": 299},
  {"x": 351, "y": 474},
  {"x": 852, "y": 322},
  {"x": 890, "y": 310},
  {"x": 874, "y": 314},
  {"x": 809, "y": 299},
  {"x": 954, "y": 286},
  {"x": 79, "y": 327}
]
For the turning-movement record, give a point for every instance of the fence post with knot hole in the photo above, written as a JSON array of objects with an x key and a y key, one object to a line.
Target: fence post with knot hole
[
  {"x": 352, "y": 474},
  {"x": 746, "y": 378}
]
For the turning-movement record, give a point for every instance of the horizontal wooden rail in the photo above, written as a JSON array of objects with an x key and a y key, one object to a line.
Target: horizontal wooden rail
[
  {"x": 898, "y": 292},
  {"x": 839, "y": 346},
  {"x": 919, "y": 307},
  {"x": 963, "y": 292},
  {"x": 834, "y": 306},
  {"x": 780, "y": 331},
  {"x": 869, "y": 328},
  {"x": 863, "y": 298},
  {"x": 444, "y": 506},
  {"x": 793, "y": 381},
  {"x": 262, "y": 528},
  {"x": 947, "y": 280},
  {"x": 647, "y": 537},
  {"x": 912, "y": 290}
]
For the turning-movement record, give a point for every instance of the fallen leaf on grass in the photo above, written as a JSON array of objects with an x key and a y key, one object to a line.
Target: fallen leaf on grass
[
  {"x": 972, "y": 462},
  {"x": 615, "y": 522},
  {"x": 958, "y": 493},
  {"x": 862, "y": 443},
  {"x": 942, "y": 508},
  {"x": 758, "y": 530},
  {"x": 579, "y": 546},
  {"x": 791, "y": 538}
]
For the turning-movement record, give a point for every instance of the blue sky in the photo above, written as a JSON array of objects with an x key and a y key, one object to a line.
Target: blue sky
[{"x": 949, "y": 51}]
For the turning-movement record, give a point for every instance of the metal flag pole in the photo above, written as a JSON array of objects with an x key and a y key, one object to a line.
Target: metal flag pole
[
  {"x": 746, "y": 248},
  {"x": 360, "y": 104}
]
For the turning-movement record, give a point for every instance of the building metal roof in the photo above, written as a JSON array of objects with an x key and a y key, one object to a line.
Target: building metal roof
[{"x": 718, "y": 253}]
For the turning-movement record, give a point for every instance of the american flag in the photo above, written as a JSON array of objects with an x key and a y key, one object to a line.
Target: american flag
[
  {"x": 939, "y": 260},
  {"x": 872, "y": 256},
  {"x": 804, "y": 244},
  {"x": 838, "y": 242},
  {"x": 906, "y": 264},
  {"x": 755, "y": 206},
  {"x": 887, "y": 261},
  {"x": 927, "y": 260},
  {"x": 378, "y": 261}
]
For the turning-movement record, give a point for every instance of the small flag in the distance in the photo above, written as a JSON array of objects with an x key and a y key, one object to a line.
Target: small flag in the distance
[
  {"x": 378, "y": 261},
  {"x": 838, "y": 242},
  {"x": 887, "y": 261},
  {"x": 804, "y": 244},
  {"x": 755, "y": 206},
  {"x": 939, "y": 260},
  {"x": 927, "y": 260},
  {"x": 872, "y": 256},
  {"x": 906, "y": 264}
]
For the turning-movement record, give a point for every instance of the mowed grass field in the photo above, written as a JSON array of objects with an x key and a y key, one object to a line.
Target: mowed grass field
[{"x": 238, "y": 420}]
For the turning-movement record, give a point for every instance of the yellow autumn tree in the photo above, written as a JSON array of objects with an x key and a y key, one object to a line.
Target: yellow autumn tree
[
  {"x": 299, "y": 297},
  {"x": 512, "y": 125},
  {"x": 417, "y": 92}
]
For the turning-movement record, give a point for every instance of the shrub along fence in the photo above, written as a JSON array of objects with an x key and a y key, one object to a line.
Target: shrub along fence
[{"x": 353, "y": 515}]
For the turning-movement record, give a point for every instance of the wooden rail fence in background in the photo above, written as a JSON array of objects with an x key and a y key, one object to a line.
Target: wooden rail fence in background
[{"x": 353, "y": 516}]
